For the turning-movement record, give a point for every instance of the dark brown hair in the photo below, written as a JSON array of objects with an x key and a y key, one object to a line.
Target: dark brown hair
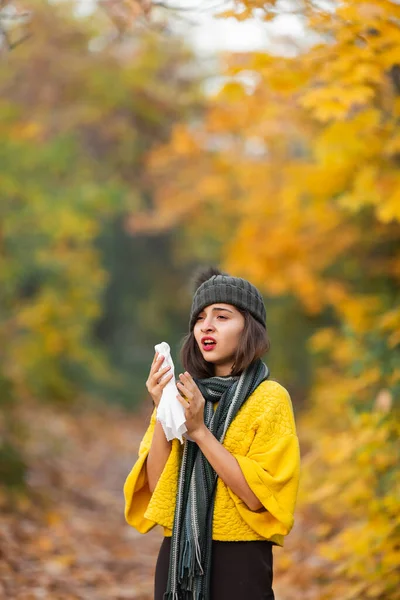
[{"x": 254, "y": 342}]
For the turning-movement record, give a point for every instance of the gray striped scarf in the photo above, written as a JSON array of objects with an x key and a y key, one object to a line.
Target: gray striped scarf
[{"x": 191, "y": 544}]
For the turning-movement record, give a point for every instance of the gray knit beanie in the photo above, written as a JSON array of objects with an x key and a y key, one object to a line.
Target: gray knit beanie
[{"x": 216, "y": 286}]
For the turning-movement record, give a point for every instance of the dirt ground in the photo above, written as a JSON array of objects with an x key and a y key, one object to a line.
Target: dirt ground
[{"x": 69, "y": 540}]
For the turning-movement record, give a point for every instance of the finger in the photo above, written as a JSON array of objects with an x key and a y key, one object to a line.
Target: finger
[
  {"x": 188, "y": 393},
  {"x": 157, "y": 385},
  {"x": 187, "y": 383},
  {"x": 183, "y": 401},
  {"x": 183, "y": 393},
  {"x": 163, "y": 370},
  {"x": 154, "y": 358},
  {"x": 164, "y": 382},
  {"x": 191, "y": 381},
  {"x": 159, "y": 359},
  {"x": 157, "y": 376},
  {"x": 157, "y": 364},
  {"x": 192, "y": 385},
  {"x": 184, "y": 378}
]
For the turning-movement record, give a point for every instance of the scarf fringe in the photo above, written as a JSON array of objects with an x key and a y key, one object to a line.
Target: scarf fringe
[
  {"x": 191, "y": 563},
  {"x": 198, "y": 557},
  {"x": 185, "y": 594}
]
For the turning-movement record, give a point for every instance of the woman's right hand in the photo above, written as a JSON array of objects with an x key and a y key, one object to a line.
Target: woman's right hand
[{"x": 154, "y": 385}]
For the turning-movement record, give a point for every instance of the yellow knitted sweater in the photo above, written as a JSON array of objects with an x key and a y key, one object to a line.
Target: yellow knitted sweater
[{"x": 263, "y": 439}]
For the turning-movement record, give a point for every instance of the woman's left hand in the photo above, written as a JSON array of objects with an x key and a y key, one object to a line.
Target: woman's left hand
[{"x": 193, "y": 403}]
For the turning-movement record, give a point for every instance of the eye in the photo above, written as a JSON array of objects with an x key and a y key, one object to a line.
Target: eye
[{"x": 218, "y": 317}]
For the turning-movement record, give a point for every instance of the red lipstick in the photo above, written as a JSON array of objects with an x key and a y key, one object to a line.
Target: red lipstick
[{"x": 208, "y": 343}]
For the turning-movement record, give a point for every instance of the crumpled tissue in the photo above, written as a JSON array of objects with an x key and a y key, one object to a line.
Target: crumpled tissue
[{"x": 170, "y": 411}]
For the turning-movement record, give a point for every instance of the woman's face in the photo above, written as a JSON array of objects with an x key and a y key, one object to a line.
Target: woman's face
[{"x": 224, "y": 324}]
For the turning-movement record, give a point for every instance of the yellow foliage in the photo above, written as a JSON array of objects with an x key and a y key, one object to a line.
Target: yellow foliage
[
  {"x": 29, "y": 130},
  {"x": 239, "y": 16},
  {"x": 392, "y": 146},
  {"x": 389, "y": 209},
  {"x": 183, "y": 142},
  {"x": 232, "y": 90},
  {"x": 305, "y": 167}
]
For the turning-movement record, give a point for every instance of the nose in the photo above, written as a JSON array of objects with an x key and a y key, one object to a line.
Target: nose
[{"x": 207, "y": 325}]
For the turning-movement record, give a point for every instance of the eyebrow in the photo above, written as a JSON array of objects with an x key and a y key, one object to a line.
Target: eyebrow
[{"x": 217, "y": 308}]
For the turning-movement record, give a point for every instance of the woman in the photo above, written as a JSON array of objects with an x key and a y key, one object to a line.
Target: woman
[{"x": 228, "y": 494}]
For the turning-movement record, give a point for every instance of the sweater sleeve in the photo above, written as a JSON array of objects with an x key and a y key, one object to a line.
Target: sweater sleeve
[
  {"x": 272, "y": 469},
  {"x": 136, "y": 488}
]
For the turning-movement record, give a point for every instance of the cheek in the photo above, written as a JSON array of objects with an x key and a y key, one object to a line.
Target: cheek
[
  {"x": 196, "y": 333},
  {"x": 233, "y": 336}
]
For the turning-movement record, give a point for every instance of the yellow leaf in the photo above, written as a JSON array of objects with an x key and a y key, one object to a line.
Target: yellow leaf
[
  {"x": 44, "y": 543},
  {"x": 392, "y": 146},
  {"x": 247, "y": 13},
  {"x": 389, "y": 210},
  {"x": 232, "y": 90},
  {"x": 53, "y": 518},
  {"x": 225, "y": 14}
]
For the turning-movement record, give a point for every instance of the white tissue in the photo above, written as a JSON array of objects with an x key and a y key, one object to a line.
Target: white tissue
[{"x": 170, "y": 411}]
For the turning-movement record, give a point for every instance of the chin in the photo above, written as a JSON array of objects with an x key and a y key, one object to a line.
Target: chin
[{"x": 209, "y": 359}]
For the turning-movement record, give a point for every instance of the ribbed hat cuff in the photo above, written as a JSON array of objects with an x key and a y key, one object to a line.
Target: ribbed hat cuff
[{"x": 241, "y": 297}]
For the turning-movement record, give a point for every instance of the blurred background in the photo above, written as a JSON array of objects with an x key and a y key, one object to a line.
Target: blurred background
[{"x": 139, "y": 140}]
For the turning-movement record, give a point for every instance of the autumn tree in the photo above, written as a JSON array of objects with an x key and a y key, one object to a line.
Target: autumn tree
[
  {"x": 296, "y": 171},
  {"x": 79, "y": 109}
]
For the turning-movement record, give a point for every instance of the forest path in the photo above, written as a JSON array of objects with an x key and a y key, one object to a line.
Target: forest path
[{"x": 71, "y": 541}]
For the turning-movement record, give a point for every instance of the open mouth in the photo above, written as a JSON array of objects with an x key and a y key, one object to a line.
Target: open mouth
[{"x": 208, "y": 345}]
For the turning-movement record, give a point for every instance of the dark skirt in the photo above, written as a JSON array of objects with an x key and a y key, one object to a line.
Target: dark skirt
[{"x": 239, "y": 570}]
